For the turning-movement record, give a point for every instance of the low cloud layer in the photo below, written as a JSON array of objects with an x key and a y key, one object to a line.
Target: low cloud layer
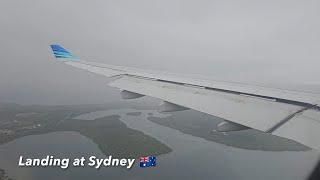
[{"x": 269, "y": 42}]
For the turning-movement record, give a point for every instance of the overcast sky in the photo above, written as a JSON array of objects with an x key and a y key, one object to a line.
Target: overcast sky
[{"x": 274, "y": 41}]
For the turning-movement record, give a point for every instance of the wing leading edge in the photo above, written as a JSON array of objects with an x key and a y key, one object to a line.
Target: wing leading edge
[{"x": 290, "y": 114}]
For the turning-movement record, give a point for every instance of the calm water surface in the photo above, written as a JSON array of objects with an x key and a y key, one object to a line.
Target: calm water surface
[{"x": 191, "y": 158}]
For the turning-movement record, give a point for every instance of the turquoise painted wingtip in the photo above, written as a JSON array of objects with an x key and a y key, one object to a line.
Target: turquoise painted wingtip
[{"x": 60, "y": 52}]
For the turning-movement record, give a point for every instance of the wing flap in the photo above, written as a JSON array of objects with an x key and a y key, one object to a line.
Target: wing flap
[{"x": 303, "y": 128}]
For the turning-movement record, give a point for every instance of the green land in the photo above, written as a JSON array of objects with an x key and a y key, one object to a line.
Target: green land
[
  {"x": 109, "y": 133},
  {"x": 4, "y": 176}
]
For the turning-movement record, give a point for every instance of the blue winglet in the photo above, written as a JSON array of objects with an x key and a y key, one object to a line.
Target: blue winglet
[{"x": 60, "y": 52}]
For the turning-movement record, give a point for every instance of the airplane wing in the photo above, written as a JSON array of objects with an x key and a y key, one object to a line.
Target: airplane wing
[{"x": 291, "y": 114}]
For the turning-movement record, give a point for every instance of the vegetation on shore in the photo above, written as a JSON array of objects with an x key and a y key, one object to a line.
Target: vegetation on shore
[{"x": 110, "y": 134}]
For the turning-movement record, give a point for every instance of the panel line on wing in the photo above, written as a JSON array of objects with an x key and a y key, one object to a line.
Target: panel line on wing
[
  {"x": 130, "y": 72},
  {"x": 288, "y": 118}
]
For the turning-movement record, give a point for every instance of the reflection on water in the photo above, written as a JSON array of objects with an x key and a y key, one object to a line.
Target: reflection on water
[{"x": 191, "y": 158}]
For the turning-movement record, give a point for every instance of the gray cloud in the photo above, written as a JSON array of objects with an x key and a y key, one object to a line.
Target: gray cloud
[{"x": 274, "y": 42}]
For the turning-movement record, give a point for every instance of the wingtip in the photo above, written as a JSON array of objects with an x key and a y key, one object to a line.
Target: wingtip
[{"x": 61, "y": 53}]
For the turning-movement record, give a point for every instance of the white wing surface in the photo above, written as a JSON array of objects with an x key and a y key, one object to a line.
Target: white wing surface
[{"x": 291, "y": 114}]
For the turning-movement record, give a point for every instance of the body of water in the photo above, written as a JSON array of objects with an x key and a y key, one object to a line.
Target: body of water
[{"x": 191, "y": 158}]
